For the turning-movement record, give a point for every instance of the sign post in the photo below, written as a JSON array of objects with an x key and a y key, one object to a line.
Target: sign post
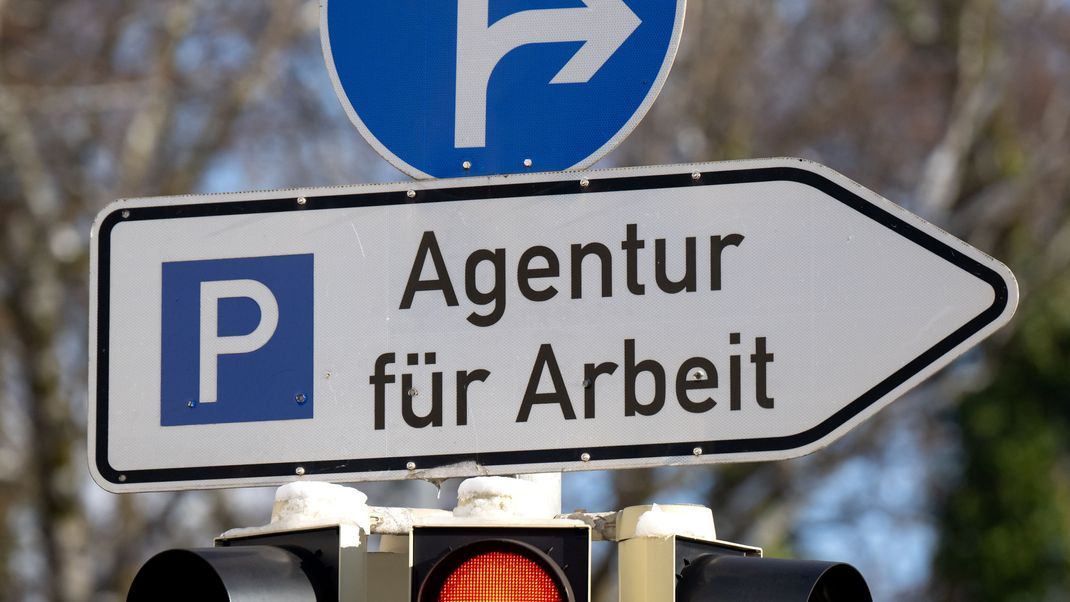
[{"x": 684, "y": 314}]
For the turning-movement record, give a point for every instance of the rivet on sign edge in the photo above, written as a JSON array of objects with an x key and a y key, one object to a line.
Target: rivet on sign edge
[
  {"x": 300, "y": 471},
  {"x": 302, "y": 201},
  {"x": 697, "y": 451},
  {"x": 122, "y": 478},
  {"x": 585, "y": 457},
  {"x": 528, "y": 163},
  {"x": 126, "y": 213},
  {"x": 410, "y": 465},
  {"x": 584, "y": 183},
  {"x": 467, "y": 165},
  {"x": 696, "y": 176},
  {"x": 411, "y": 194}
]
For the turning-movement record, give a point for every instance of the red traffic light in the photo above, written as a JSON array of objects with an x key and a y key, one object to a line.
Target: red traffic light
[
  {"x": 496, "y": 570},
  {"x": 485, "y": 563}
]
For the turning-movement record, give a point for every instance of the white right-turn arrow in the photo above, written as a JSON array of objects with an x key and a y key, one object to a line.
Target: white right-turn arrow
[{"x": 603, "y": 26}]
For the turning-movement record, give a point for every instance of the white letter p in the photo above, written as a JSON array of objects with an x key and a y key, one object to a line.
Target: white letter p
[{"x": 213, "y": 345}]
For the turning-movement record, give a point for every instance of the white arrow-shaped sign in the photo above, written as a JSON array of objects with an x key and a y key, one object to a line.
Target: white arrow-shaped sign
[
  {"x": 531, "y": 323},
  {"x": 603, "y": 26}
]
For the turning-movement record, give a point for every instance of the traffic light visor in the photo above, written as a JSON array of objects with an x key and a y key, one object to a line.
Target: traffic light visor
[
  {"x": 712, "y": 578},
  {"x": 261, "y": 573}
]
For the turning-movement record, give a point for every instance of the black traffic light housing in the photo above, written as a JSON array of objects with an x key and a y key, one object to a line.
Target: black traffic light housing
[
  {"x": 712, "y": 572},
  {"x": 308, "y": 565}
]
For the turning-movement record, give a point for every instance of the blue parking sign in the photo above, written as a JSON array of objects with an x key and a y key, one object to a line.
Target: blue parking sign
[
  {"x": 236, "y": 340},
  {"x": 477, "y": 87}
]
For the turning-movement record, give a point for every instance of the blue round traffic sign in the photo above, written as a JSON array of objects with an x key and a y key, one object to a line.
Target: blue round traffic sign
[{"x": 477, "y": 87}]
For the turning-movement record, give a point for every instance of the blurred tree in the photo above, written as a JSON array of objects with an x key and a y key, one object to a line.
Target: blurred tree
[
  {"x": 1004, "y": 515},
  {"x": 102, "y": 99},
  {"x": 1006, "y": 526}
]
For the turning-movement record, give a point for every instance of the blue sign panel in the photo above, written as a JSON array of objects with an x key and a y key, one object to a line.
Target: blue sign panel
[
  {"x": 478, "y": 87},
  {"x": 236, "y": 340}
]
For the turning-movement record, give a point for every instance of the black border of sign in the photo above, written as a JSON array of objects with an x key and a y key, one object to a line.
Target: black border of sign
[{"x": 567, "y": 456}]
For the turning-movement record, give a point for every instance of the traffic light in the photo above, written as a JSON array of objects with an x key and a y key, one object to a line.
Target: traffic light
[
  {"x": 665, "y": 554},
  {"x": 308, "y": 565},
  {"x": 673, "y": 568},
  {"x": 545, "y": 563}
]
